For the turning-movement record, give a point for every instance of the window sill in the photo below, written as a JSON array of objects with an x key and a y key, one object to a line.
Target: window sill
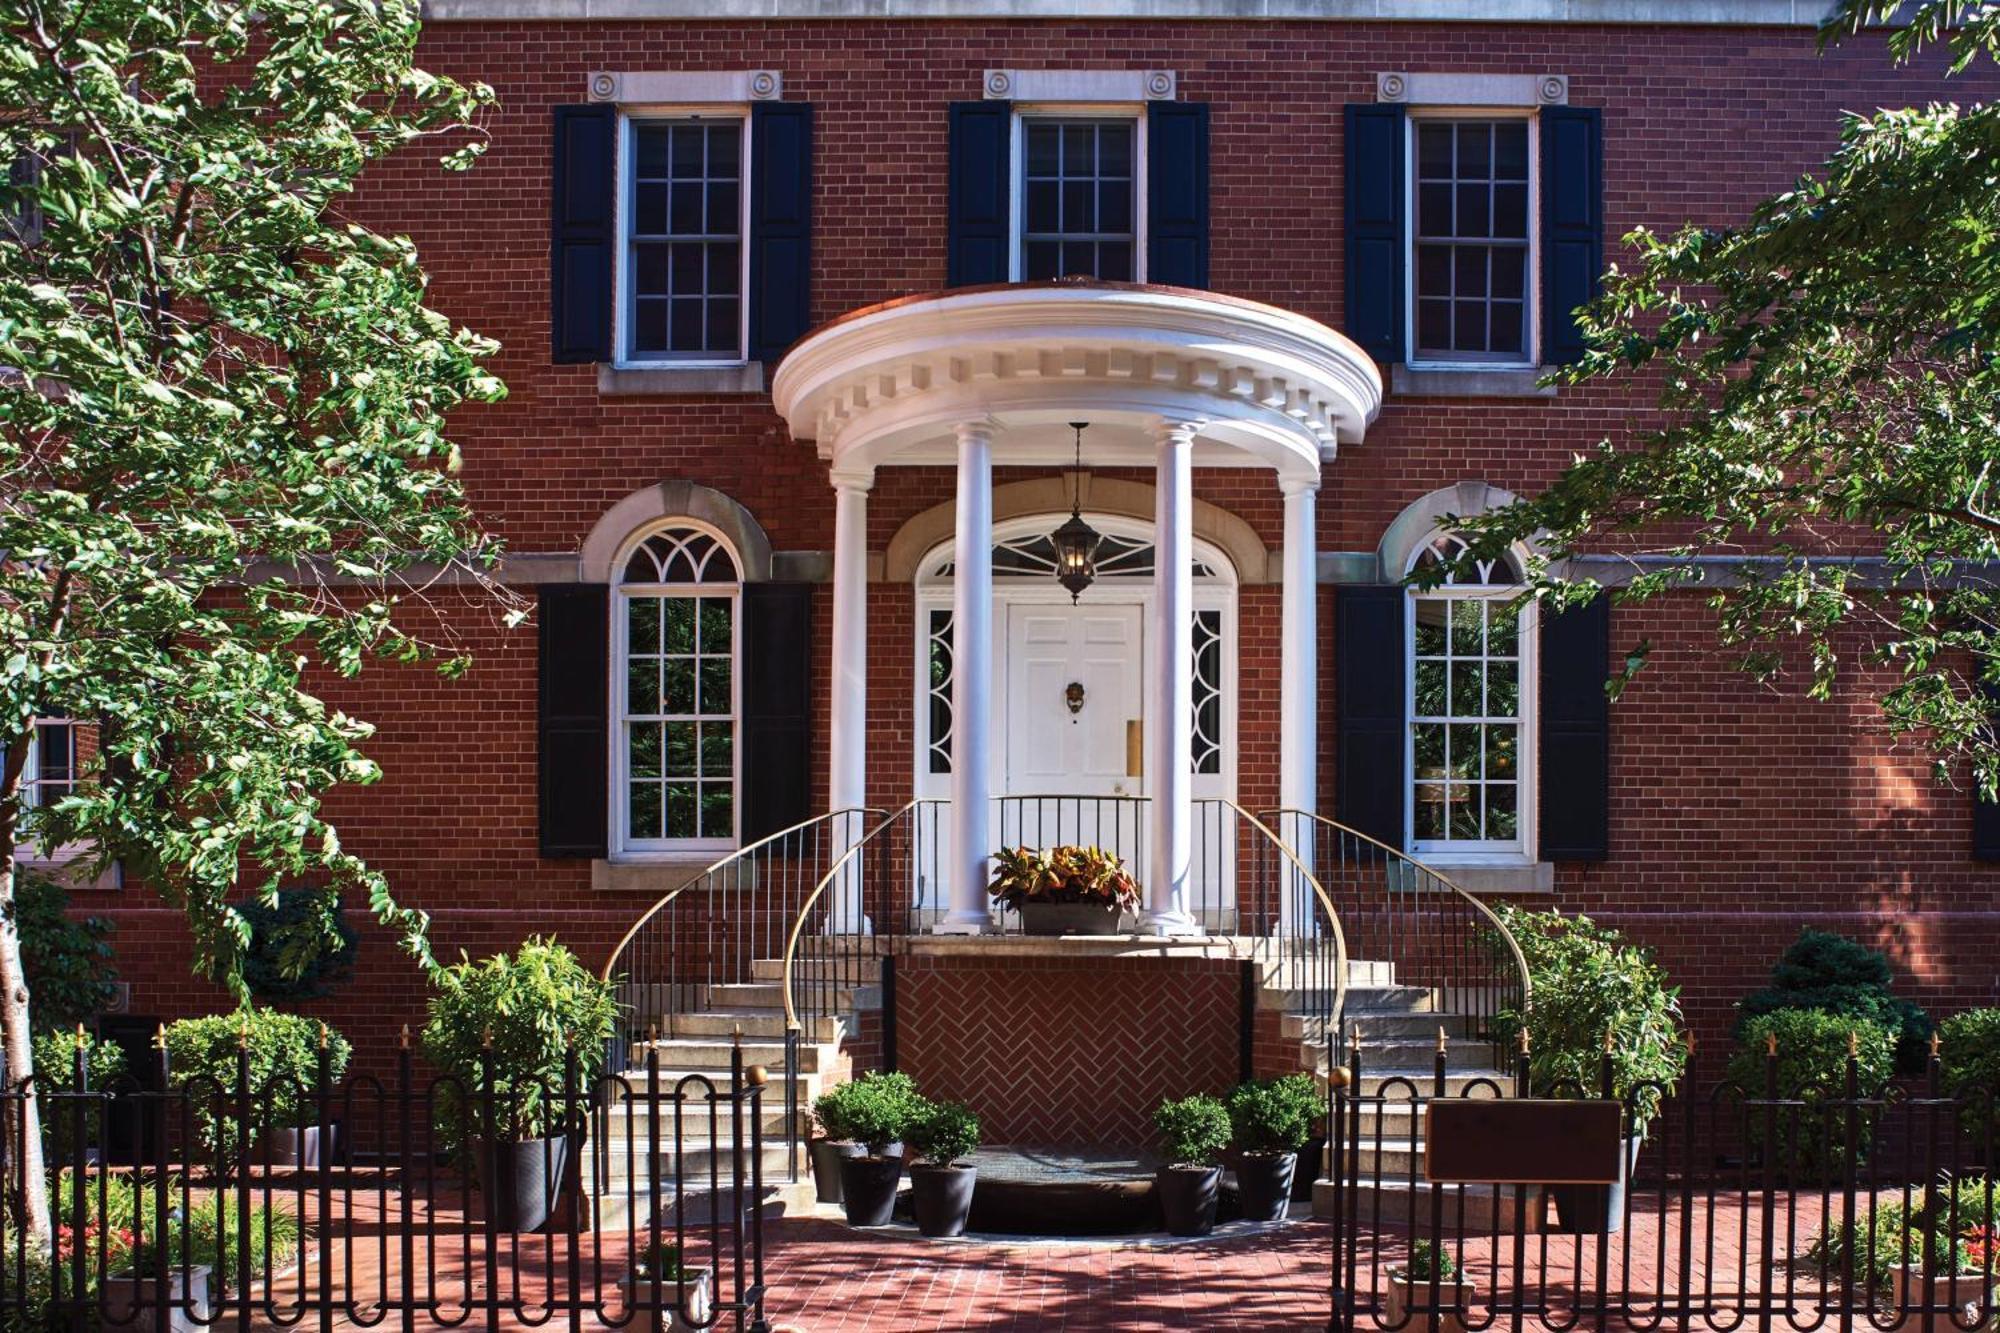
[
  {"x": 1407, "y": 381},
  {"x": 657, "y": 875},
  {"x": 1496, "y": 877},
  {"x": 66, "y": 863},
  {"x": 635, "y": 381}
]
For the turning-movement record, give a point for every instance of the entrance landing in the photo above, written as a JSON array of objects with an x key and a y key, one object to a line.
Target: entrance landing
[{"x": 1028, "y": 1191}]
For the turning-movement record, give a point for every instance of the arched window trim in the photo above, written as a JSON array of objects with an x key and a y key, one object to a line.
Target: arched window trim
[{"x": 626, "y": 842}]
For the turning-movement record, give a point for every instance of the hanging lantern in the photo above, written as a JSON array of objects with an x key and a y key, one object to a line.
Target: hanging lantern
[{"x": 1076, "y": 542}]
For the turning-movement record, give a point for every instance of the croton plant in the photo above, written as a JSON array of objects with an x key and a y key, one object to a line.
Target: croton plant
[{"x": 1065, "y": 874}]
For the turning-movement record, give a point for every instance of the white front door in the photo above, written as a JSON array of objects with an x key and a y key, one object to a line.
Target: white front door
[{"x": 1074, "y": 691}]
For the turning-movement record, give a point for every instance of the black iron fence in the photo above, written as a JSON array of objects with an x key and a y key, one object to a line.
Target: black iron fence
[
  {"x": 625, "y": 1202},
  {"x": 1739, "y": 1203}
]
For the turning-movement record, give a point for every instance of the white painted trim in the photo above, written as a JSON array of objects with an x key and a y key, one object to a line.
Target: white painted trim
[
  {"x": 1525, "y": 91},
  {"x": 621, "y": 278},
  {"x": 1080, "y": 85},
  {"x": 1532, "y": 289},
  {"x": 650, "y": 507},
  {"x": 1649, "y": 13},
  {"x": 686, "y": 87},
  {"x": 1018, "y": 170}
]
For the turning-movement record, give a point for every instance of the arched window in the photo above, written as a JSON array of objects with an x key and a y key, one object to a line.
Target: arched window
[
  {"x": 676, "y": 642},
  {"x": 1470, "y": 699}
]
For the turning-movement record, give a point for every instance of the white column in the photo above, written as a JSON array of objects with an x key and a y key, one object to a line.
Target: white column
[
  {"x": 1170, "y": 704},
  {"x": 847, "y": 780},
  {"x": 1298, "y": 707},
  {"x": 971, "y": 682}
]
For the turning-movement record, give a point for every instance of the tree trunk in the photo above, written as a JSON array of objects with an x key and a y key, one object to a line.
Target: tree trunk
[{"x": 24, "y": 1143}]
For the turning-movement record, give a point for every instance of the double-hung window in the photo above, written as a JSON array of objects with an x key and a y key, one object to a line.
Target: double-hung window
[
  {"x": 683, "y": 257},
  {"x": 50, "y": 771},
  {"x": 1077, "y": 199},
  {"x": 1472, "y": 242}
]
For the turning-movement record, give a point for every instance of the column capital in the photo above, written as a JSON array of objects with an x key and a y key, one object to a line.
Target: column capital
[
  {"x": 1290, "y": 486},
  {"x": 1178, "y": 431},
  {"x": 853, "y": 479},
  {"x": 981, "y": 429}
]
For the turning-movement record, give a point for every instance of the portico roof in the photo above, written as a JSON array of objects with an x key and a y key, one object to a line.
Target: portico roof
[{"x": 889, "y": 383}]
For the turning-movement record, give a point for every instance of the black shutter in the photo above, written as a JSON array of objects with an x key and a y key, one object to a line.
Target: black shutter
[
  {"x": 574, "y": 718},
  {"x": 1572, "y": 224},
  {"x": 1376, "y": 254},
  {"x": 980, "y": 187},
  {"x": 780, "y": 226},
  {"x": 1575, "y": 764},
  {"x": 581, "y": 244},
  {"x": 1368, "y": 710},
  {"x": 1177, "y": 193},
  {"x": 1985, "y": 815},
  {"x": 777, "y": 707}
]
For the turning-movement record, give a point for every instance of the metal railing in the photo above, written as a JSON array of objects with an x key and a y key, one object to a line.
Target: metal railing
[{"x": 1397, "y": 910}]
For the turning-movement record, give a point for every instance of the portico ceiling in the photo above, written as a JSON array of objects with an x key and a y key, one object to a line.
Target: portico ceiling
[{"x": 889, "y": 384}]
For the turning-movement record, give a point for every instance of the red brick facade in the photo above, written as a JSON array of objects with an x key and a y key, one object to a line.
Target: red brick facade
[{"x": 1736, "y": 814}]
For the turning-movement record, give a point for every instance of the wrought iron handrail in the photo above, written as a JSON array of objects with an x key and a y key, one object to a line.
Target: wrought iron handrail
[{"x": 1338, "y": 851}]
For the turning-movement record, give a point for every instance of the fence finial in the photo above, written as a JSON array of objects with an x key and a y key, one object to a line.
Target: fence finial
[
  {"x": 1937, "y": 1043},
  {"x": 1771, "y": 1044},
  {"x": 1443, "y": 1041},
  {"x": 160, "y": 1037},
  {"x": 736, "y": 1036},
  {"x": 406, "y": 1036},
  {"x": 486, "y": 1038},
  {"x": 322, "y": 1034},
  {"x": 1354, "y": 1039},
  {"x": 1524, "y": 1041},
  {"x": 1687, "y": 1039},
  {"x": 243, "y": 1033},
  {"x": 81, "y": 1040},
  {"x": 1610, "y": 1039},
  {"x": 1853, "y": 1043}
]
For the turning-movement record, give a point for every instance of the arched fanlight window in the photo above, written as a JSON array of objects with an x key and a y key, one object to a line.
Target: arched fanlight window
[
  {"x": 1470, "y": 693},
  {"x": 678, "y": 641}
]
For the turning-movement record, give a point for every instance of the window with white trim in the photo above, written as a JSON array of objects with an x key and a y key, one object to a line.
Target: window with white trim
[
  {"x": 1077, "y": 199},
  {"x": 1470, "y": 693},
  {"x": 684, "y": 259},
  {"x": 677, "y": 643},
  {"x": 1472, "y": 242},
  {"x": 50, "y": 771}
]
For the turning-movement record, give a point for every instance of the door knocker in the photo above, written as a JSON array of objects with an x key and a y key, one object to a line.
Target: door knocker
[{"x": 1073, "y": 696}]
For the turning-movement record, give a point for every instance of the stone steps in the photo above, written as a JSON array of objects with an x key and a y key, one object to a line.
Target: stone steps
[{"x": 718, "y": 1052}]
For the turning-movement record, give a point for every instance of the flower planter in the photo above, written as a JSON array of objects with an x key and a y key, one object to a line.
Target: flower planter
[
  {"x": 827, "y": 1155},
  {"x": 1586, "y": 1210},
  {"x": 1942, "y": 1304},
  {"x": 868, "y": 1189},
  {"x": 941, "y": 1197},
  {"x": 1264, "y": 1185},
  {"x": 1069, "y": 918},
  {"x": 686, "y": 1306},
  {"x": 128, "y": 1299},
  {"x": 1187, "y": 1197},
  {"x": 521, "y": 1183},
  {"x": 1406, "y": 1304}
]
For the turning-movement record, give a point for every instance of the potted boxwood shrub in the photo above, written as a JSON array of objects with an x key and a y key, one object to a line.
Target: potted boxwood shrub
[
  {"x": 1409, "y": 1295},
  {"x": 668, "y": 1296},
  {"x": 876, "y": 1109},
  {"x": 519, "y": 1015},
  {"x": 1590, "y": 987},
  {"x": 835, "y": 1141},
  {"x": 284, "y": 1070},
  {"x": 941, "y": 1188},
  {"x": 1066, "y": 890},
  {"x": 1194, "y": 1131},
  {"x": 1270, "y": 1120}
]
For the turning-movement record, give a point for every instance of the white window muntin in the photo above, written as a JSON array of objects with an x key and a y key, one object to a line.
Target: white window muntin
[
  {"x": 1018, "y": 168},
  {"x": 624, "y": 280},
  {"x": 623, "y": 841},
  {"x": 1493, "y": 596},
  {"x": 1531, "y": 352},
  {"x": 50, "y": 771}
]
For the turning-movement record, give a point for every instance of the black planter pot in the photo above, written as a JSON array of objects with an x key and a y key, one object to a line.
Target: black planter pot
[
  {"x": 1264, "y": 1185},
  {"x": 1069, "y": 918},
  {"x": 310, "y": 1148},
  {"x": 1312, "y": 1161},
  {"x": 942, "y": 1198},
  {"x": 827, "y": 1155},
  {"x": 1187, "y": 1198},
  {"x": 868, "y": 1189},
  {"x": 521, "y": 1183},
  {"x": 1585, "y": 1210}
]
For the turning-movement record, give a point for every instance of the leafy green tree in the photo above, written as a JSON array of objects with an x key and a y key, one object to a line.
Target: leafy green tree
[
  {"x": 1827, "y": 388},
  {"x": 223, "y": 455}
]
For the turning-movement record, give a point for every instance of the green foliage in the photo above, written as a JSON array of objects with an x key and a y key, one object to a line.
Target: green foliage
[
  {"x": 67, "y": 959},
  {"x": 284, "y": 1050},
  {"x": 301, "y": 945},
  {"x": 222, "y": 394},
  {"x": 1837, "y": 975},
  {"x": 1066, "y": 874},
  {"x": 1587, "y": 982},
  {"x": 55, "y": 1071},
  {"x": 943, "y": 1132},
  {"x": 1969, "y": 1061},
  {"x": 1193, "y": 1130},
  {"x": 875, "y": 1109},
  {"x": 535, "y": 1006},
  {"x": 1959, "y": 1219},
  {"x": 1428, "y": 1260},
  {"x": 1812, "y": 1068},
  {"x": 1275, "y": 1115},
  {"x": 662, "y": 1260},
  {"x": 1825, "y": 374}
]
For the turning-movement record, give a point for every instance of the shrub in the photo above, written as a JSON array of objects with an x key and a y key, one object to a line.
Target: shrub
[
  {"x": 1588, "y": 980},
  {"x": 301, "y": 946},
  {"x": 284, "y": 1067},
  {"x": 1429, "y": 1260},
  {"x": 535, "y": 1008},
  {"x": 875, "y": 1109},
  {"x": 943, "y": 1132},
  {"x": 1834, "y": 974},
  {"x": 67, "y": 959},
  {"x": 1194, "y": 1130},
  {"x": 1969, "y": 1056},
  {"x": 1273, "y": 1115},
  {"x": 1066, "y": 874},
  {"x": 1812, "y": 1068},
  {"x": 55, "y": 1071}
]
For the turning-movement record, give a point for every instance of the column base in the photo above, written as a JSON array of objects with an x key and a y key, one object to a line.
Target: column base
[
  {"x": 1171, "y": 925},
  {"x": 842, "y": 926},
  {"x": 963, "y": 925}
]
